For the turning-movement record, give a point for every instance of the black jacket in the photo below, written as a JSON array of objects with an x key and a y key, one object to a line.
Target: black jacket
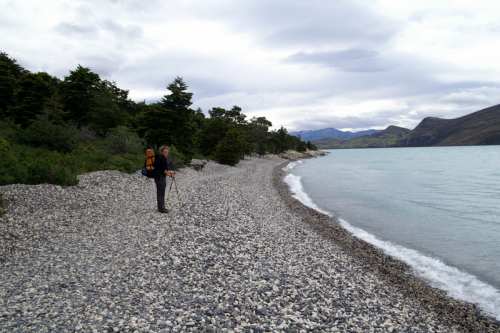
[{"x": 160, "y": 166}]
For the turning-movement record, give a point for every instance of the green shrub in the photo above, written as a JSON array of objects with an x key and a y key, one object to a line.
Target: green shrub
[
  {"x": 230, "y": 149},
  {"x": 84, "y": 134},
  {"x": 301, "y": 147},
  {"x": 9, "y": 165},
  {"x": 42, "y": 133},
  {"x": 90, "y": 157},
  {"x": 175, "y": 158},
  {"x": 121, "y": 164},
  {"x": 121, "y": 140},
  {"x": 27, "y": 165},
  {"x": 310, "y": 146},
  {"x": 260, "y": 148},
  {"x": 8, "y": 130},
  {"x": 51, "y": 168},
  {"x": 198, "y": 155}
]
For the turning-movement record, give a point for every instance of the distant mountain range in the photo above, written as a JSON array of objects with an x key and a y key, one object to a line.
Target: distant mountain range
[
  {"x": 330, "y": 133},
  {"x": 478, "y": 128}
]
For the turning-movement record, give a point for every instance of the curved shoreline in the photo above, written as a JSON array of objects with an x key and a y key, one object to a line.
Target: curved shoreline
[
  {"x": 387, "y": 268},
  {"x": 235, "y": 253}
]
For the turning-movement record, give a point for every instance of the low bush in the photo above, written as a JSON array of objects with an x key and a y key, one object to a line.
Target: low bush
[
  {"x": 42, "y": 133},
  {"x": 8, "y": 130},
  {"x": 85, "y": 134},
  {"x": 10, "y": 172},
  {"x": 90, "y": 158},
  {"x": 52, "y": 168},
  {"x": 121, "y": 164},
  {"x": 121, "y": 140},
  {"x": 230, "y": 149},
  {"x": 175, "y": 158},
  {"x": 22, "y": 164}
]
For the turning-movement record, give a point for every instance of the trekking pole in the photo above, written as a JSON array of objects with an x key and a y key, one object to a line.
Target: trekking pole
[
  {"x": 178, "y": 198},
  {"x": 170, "y": 189}
]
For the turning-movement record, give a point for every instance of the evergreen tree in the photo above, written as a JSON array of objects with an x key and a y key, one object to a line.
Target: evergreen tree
[
  {"x": 110, "y": 107},
  {"x": 197, "y": 121},
  {"x": 10, "y": 73},
  {"x": 310, "y": 146},
  {"x": 236, "y": 116},
  {"x": 14, "y": 68},
  {"x": 7, "y": 88},
  {"x": 230, "y": 149},
  {"x": 78, "y": 91},
  {"x": 281, "y": 139},
  {"x": 32, "y": 94},
  {"x": 217, "y": 112},
  {"x": 54, "y": 110},
  {"x": 217, "y": 126},
  {"x": 180, "y": 129},
  {"x": 301, "y": 146},
  {"x": 154, "y": 124},
  {"x": 214, "y": 129},
  {"x": 258, "y": 133}
]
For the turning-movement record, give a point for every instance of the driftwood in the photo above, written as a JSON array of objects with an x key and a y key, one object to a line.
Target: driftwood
[{"x": 197, "y": 164}]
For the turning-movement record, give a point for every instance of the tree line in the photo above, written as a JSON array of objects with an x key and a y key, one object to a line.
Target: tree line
[{"x": 53, "y": 129}]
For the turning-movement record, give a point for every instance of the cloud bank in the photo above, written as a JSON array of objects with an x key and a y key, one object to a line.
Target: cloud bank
[{"x": 351, "y": 65}]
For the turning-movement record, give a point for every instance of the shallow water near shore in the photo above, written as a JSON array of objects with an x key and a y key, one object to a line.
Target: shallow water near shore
[{"x": 438, "y": 209}]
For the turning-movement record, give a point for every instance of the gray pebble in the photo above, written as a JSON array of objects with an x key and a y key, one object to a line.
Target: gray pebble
[{"x": 239, "y": 255}]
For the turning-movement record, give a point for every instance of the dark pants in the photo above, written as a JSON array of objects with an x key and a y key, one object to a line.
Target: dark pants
[{"x": 161, "y": 184}]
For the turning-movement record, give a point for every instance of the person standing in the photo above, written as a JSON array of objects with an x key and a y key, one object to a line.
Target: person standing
[{"x": 161, "y": 178}]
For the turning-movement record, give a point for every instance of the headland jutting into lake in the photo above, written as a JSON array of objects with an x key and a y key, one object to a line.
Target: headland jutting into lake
[{"x": 239, "y": 254}]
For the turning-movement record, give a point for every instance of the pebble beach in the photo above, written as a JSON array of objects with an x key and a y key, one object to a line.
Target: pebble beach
[{"x": 236, "y": 253}]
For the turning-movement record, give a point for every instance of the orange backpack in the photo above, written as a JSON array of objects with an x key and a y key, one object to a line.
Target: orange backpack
[{"x": 149, "y": 164}]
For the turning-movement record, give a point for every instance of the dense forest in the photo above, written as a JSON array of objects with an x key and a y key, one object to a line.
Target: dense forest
[{"x": 52, "y": 130}]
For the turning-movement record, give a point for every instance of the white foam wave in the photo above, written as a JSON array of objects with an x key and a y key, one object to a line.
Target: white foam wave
[
  {"x": 292, "y": 165},
  {"x": 456, "y": 283},
  {"x": 298, "y": 192}
]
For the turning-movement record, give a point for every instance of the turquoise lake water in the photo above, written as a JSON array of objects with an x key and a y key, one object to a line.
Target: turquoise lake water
[{"x": 436, "y": 208}]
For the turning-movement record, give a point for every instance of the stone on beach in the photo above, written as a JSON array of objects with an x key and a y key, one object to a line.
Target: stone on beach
[{"x": 239, "y": 255}]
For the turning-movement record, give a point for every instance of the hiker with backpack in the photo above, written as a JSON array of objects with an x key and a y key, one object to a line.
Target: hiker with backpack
[{"x": 161, "y": 173}]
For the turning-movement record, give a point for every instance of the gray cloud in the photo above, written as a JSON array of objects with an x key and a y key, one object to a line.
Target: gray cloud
[
  {"x": 292, "y": 61},
  {"x": 77, "y": 30},
  {"x": 472, "y": 97},
  {"x": 379, "y": 120},
  {"x": 129, "y": 31},
  {"x": 311, "y": 23},
  {"x": 104, "y": 65},
  {"x": 139, "y": 6},
  {"x": 349, "y": 60},
  {"x": 335, "y": 30}
]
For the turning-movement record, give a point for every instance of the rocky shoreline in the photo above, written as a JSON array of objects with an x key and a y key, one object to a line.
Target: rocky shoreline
[
  {"x": 394, "y": 271},
  {"x": 235, "y": 253},
  {"x": 295, "y": 155}
]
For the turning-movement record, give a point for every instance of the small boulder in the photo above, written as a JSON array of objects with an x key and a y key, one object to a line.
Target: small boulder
[{"x": 197, "y": 164}]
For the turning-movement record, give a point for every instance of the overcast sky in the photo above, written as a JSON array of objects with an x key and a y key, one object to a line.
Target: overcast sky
[{"x": 351, "y": 65}]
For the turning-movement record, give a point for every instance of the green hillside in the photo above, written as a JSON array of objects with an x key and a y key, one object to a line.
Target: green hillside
[
  {"x": 387, "y": 138},
  {"x": 478, "y": 128}
]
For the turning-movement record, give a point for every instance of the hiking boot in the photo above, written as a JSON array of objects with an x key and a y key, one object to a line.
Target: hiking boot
[{"x": 163, "y": 210}]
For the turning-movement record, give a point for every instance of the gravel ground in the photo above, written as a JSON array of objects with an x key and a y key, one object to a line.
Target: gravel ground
[{"x": 239, "y": 255}]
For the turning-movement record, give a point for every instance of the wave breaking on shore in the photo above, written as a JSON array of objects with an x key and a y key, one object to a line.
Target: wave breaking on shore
[
  {"x": 423, "y": 283},
  {"x": 456, "y": 283}
]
